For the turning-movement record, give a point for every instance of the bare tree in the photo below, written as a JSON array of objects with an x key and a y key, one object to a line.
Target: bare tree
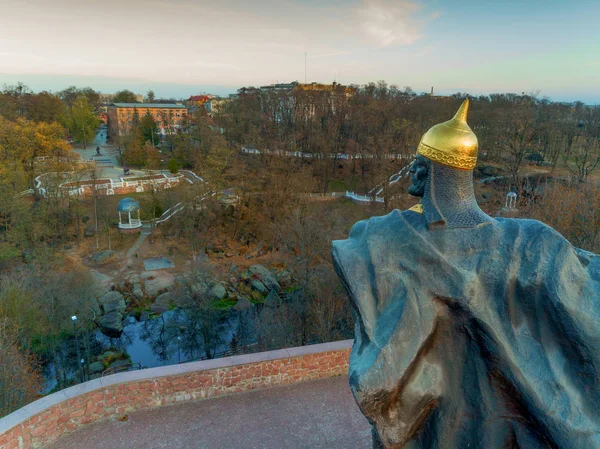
[
  {"x": 573, "y": 210},
  {"x": 520, "y": 133},
  {"x": 584, "y": 157},
  {"x": 20, "y": 380}
]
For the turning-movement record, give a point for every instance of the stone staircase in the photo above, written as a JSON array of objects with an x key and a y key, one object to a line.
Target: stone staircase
[{"x": 103, "y": 162}]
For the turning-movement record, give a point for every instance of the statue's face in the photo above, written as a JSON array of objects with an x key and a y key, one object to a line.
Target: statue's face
[{"x": 418, "y": 175}]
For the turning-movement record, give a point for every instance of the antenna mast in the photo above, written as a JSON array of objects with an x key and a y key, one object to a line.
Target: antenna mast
[{"x": 304, "y": 67}]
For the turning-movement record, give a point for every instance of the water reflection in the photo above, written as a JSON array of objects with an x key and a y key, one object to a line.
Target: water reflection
[{"x": 176, "y": 336}]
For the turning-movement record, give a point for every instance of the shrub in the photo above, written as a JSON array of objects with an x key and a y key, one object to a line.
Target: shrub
[{"x": 173, "y": 165}]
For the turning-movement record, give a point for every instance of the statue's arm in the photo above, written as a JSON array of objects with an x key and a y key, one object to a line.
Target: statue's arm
[{"x": 350, "y": 265}]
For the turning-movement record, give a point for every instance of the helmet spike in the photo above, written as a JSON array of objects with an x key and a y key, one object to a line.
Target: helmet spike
[{"x": 461, "y": 114}]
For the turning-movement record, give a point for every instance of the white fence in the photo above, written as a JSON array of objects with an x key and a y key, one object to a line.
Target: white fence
[
  {"x": 112, "y": 184},
  {"x": 193, "y": 175},
  {"x": 325, "y": 195},
  {"x": 364, "y": 198},
  {"x": 170, "y": 212},
  {"x": 344, "y": 156}
]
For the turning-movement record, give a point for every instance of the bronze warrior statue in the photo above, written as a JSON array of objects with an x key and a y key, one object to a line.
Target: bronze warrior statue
[{"x": 470, "y": 331}]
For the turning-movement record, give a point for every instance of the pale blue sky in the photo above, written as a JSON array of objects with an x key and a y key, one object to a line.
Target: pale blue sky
[{"x": 181, "y": 47}]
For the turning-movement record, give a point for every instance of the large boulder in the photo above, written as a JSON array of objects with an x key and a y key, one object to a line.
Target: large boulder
[
  {"x": 199, "y": 288},
  {"x": 164, "y": 298},
  {"x": 110, "y": 324},
  {"x": 101, "y": 282},
  {"x": 488, "y": 170},
  {"x": 161, "y": 281},
  {"x": 96, "y": 367},
  {"x": 272, "y": 299},
  {"x": 111, "y": 306},
  {"x": 162, "y": 303},
  {"x": 181, "y": 279},
  {"x": 111, "y": 301},
  {"x": 259, "y": 286},
  {"x": 261, "y": 273},
  {"x": 243, "y": 304},
  {"x": 103, "y": 257},
  {"x": 137, "y": 291},
  {"x": 284, "y": 277},
  {"x": 111, "y": 295},
  {"x": 217, "y": 291},
  {"x": 134, "y": 278},
  {"x": 183, "y": 300},
  {"x": 158, "y": 308},
  {"x": 149, "y": 275}
]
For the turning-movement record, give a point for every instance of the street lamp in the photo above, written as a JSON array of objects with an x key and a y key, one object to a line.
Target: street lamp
[{"x": 74, "y": 319}]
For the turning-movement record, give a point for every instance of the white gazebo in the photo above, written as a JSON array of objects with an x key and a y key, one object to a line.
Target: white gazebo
[
  {"x": 129, "y": 207},
  {"x": 511, "y": 201}
]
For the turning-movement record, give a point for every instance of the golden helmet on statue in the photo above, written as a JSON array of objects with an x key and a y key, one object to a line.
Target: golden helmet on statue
[{"x": 452, "y": 143}]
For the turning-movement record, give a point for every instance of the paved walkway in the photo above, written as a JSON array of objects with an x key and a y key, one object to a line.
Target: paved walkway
[
  {"x": 318, "y": 414},
  {"x": 144, "y": 233},
  {"x": 109, "y": 153}
]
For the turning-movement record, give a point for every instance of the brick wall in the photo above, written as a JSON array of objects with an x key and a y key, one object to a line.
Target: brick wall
[{"x": 47, "y": 419}]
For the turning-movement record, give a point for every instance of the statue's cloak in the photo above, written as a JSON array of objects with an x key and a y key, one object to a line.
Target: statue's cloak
[{"x": 484, "y": 337}]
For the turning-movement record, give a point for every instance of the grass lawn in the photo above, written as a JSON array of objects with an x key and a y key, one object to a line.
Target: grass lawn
[{"x": 337, "y": 186}]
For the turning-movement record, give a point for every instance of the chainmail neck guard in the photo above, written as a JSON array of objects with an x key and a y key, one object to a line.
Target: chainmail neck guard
[{"x": 449, "y": 199}]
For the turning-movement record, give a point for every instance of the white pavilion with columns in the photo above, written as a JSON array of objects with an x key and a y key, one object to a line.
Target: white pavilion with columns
[{"x": 129, "y": 214}]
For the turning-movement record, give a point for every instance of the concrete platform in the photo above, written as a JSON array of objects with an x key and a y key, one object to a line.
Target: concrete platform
[
  {"x": 158, "y": 263},
  {"x": 318, "y": 414}
]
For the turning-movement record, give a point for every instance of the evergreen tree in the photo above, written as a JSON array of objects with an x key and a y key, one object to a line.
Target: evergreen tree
[
  {"x": 149, "y": 129},
  {"x": 173, "y": 165},
  {"x": 135, "y": 121}
]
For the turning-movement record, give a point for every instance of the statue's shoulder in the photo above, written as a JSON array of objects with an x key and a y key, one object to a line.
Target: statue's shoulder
[
  {"x": 531, "y": 230},
  {"x": 377, "y": 234},
  {"x": 388, "y": 224},
  {"x": 539, "y": 238},
  {"x": 372, "y": 238}
]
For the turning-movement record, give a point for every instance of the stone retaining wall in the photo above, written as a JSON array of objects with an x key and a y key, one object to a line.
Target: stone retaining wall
[{"x": 47, "y": 419}]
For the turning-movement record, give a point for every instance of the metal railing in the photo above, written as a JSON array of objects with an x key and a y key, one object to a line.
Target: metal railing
[
  {"x": 247, "y": 349},
  {"x": 121, "y": 369},
  {"x": 364, "y": 198}
]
